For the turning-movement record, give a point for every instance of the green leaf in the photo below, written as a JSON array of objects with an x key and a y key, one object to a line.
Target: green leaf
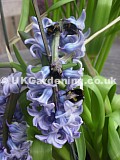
[
  {"x": 89, "y": 144},
  {"x": 98, "y": 23},
  {"x": 115, "y": 102},
  {"x": 16, "y": 66},
  {"x": 41, "y": 151},
  {"x": 87, "y": 97},
  {"x": 20, "y": 59},
  {"x": 105, "y": 140},
  {"x": 92, "y": 151},
  {"x": 115, "y": 116},
  {"x": 46, "y": 4},
  {"x": 68, "y": 65},
  {"x": 106, "y": 87},
  {"x": 24, "y": 15},
  {"x": 58, "y": 4},
  {"x": 62, "y": 153},
  {"x": 90, "y": 13},
  {"x": 23, "y": 37},
  {"x": 31, "y": 132},
  {"x": 97, "y": 105},
  {"x": 97, "y": 113},
  {"x": 11, "y": 65},
  {"x": 36, "y": 69},
  {"x": 86, "y": 115},
  {"x": 113, "y": 140},
  {"x": 31, "y": 10},
  {"x": 81, "y": 146},
  {"x": 24, "y": 103},
  {"x": 104, "y": 52}
]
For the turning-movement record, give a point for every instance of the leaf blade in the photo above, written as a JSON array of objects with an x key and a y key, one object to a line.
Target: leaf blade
[
  {"x": 24, "y": 15},
  {"x": 58, "y": 4}
]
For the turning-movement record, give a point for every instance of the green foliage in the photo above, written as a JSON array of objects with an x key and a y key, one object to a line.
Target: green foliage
[
  {"x": 24, "y": 15},
  {"x": 58, "y": 4},
  {"x": 41, "y": 151},
  {"x": 62, "y": 154},
  {"x": 24, "y": 103},
  {"x": 113, "y": 137},
  {"x": 81, "y": 146},
  {"x": 20, "y": 59}
]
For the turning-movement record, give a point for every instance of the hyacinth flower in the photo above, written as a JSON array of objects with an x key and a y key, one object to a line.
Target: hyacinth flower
[
  {"x": 18, "y": 146},
  {"x": 44, "y": 118},
  {"x": 12, "y": 83},
  {"x": 60, "y": 126},
  {"x": 58, "y": 122},
  {"x": 70, "y": 42},
  {"x": 71, "y": 73},
  {"x": 37, "y": 45},
  {"x": 17, "y": 141},
  {"x": 80, "y": 22},
  {"x": 18, "y": 132},
  {"x": 18, "y": 151},
  {"x": 39, "y": 92},
  {"x": 77, "y": 46},
  {"x": 45, "y": 21},
  {"x": 2, "y": 100},
  {"x": 64, "y": 121},
  {"x": 56, "y": 116}
]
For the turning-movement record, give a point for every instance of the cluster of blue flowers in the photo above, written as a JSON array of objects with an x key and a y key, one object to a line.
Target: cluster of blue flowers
[
  {"x": 55, "y": 110},
  {"x": 18, "y": 146},
  {"x": 60, "y": 121}
]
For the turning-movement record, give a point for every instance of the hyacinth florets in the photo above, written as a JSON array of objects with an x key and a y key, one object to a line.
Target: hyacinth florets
[
  {"x": 60, "y": 121},
  {"x": 54, "y": 107}
]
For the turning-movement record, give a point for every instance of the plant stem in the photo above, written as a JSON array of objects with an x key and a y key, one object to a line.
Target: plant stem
[
  {"x": 68, "y": 10},
  {"x": 55, "y": 46},
  {"x": 12, "y": 65},
  {"x": 89, "y": 66},
  {"x": 73, "y": 151},
  {"x": 4, "y": 26},
  {"x": 42, "y": 30},
  {"x": 5, "y": 65},
  {"x": 8, "y": 115},
  {"x": 55, "y": 12}
]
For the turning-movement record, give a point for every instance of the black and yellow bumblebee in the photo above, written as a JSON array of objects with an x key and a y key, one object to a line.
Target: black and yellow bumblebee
[
  {"x": 55, "y": 72},
  {"x": 51, "y": 30},
  {"x": 70, "y": 28},
  {"x": 75, "y": 95}
]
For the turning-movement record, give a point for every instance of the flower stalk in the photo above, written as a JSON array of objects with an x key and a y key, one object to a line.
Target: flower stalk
[
  {"x": 8, "y": 115},
  {"x": 55, "y": 46},
  {"x": 89, "y": 66},
  {"x": 41, "y": 29}
]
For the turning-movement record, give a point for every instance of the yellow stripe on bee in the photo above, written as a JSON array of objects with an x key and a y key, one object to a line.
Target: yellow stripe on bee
[{"x": 75, "y": 99}]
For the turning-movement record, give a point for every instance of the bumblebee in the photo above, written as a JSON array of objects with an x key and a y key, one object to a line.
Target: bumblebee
[
  {"x": 51, "y": 30},
  {"x": 55, "y": 72},
  {"x": 75, "y": 95},
  {"x": 70, "y": 28}
]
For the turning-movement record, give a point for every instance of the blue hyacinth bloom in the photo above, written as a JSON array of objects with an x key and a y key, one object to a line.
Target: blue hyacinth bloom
[{"x": 12, "y": 83}]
